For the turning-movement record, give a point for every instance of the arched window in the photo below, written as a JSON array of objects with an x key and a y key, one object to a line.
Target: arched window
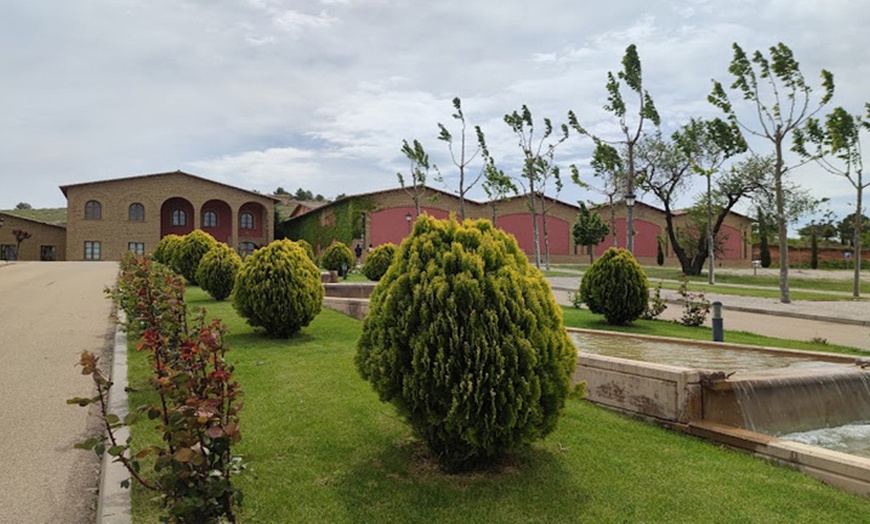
[
  {"x": 246, "y": 248},
  {"x": 179, "y": 217},
  {"x": 93, "y": 210},
  {"x": 209, "y": 219},
  {"x": 246, "y": 220},
  {"x": 136, "y": 213}
]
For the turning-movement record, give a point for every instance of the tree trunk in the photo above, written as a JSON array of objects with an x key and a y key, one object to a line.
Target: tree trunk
[
  {"x": 629, "y": 211},
  {"x": 782, "y": 223},
  {"x": 533, "y": 207},
  {"x": 546, "y": 237},
  {"x": 856, "y": 283}
]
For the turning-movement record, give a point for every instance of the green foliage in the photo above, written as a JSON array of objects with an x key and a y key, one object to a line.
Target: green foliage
[
  {"x": 336, "y": 256},
  {"x": 589, "y": 230},
  {"x": 197, "y": 413},
  {"x": 378, "y": 261},
  {"x": 278, "y": 288},
  {"x": 763, "y": 245},
  {"x": 217, "y": 271},
  {"x": 615, "y": 286},
  {"x": 190, "y": 250},
  {"x": 465, "y": 339},
  {"x": 814, "y": 252},
  {"x": 341, "y": 221},
  {"x": 164, "y": 251},
  {"x": 660, "y": 253},
  {"x": 696, "y": 307},
  {"x": 656, "y": 305},
  {"x": 307, "y": 248}
]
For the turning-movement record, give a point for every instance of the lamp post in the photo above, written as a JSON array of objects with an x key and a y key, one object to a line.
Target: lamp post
[
  {"x": 408, "y": 220},
  {"x": 629, "y": 221}
]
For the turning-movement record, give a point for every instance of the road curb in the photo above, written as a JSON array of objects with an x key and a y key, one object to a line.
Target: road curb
[{"x": 113, "y": 504}]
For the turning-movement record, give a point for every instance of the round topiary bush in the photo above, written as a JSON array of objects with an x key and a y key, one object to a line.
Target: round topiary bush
[
  {"x": 336, "y": 255},
  {"x": 217, "y": 271},
  {"x": 192, "y": 247},
  {"x": 615, "y": 286},
  {"x": 464, "y": 337},
  {"x": 307, "y": 247},
  {"x": 278, "y": 288},
  {"x": 378, "y": 261},
  {"x": 165, "y": 249}
]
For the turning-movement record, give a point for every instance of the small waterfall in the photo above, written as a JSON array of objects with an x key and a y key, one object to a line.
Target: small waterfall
[{"x": 804, "y": 400}]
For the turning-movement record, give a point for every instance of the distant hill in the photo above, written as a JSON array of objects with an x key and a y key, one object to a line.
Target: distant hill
[{"x": 55, "y": 215}]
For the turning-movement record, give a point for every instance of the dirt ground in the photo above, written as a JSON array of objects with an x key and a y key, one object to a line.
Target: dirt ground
[{"x": 49, "y": 313}]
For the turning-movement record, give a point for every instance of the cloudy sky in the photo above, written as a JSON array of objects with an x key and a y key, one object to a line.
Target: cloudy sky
[{"x": 320, "y": 94}]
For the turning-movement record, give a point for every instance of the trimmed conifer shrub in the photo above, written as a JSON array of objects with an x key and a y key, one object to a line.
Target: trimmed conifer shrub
[
  {"x": 278, "y": 288},
  {"x": 378, "y": 261},
  {"x": 165, "y": 249},
  {"x": 308, "y": 249},
  {"x": 615, "y": 286},
  {"x": 464, "y": 337},
  {"x": 217, "y": 271},
  {"x": 335, "y": 255},
  {"x": 192, "y": 247}
]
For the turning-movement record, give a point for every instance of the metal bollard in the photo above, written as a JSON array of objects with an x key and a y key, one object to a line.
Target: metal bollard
[{"x": 718, "y": 328}]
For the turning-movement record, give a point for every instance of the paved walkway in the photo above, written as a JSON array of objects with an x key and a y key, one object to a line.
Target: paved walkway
[
  {"x": 49, "y": 313},
  {"x": 844, "y": 322}
]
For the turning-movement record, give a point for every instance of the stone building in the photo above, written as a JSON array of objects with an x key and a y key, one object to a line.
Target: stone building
[
  {"x": 107, "y": 218},
  {"x": 47, "y": 241}
]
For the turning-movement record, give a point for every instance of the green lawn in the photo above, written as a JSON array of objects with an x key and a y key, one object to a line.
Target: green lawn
[
  {"x": 583, "y": 318},
  {"x": 322, "y": 448},
  {"x": 772, "y": 281}
]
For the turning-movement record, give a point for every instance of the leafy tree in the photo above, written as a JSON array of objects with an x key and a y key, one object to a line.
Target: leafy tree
[
  {"x": 589, "y": 230},
  {"x": 303, "y": 194},
  {"x": 781, "y": 102},
  {"x": 190, "y": 250},
  {"x": 632, "y": 75},
  {"x": 836, "y": 146},
  {"x": 660, "y": 252},
  {"x": 465, "y": 157},
  {"x": 607, "y": 166},
  {"x": 23, "y": 205},
  {"x": 668, "y": 170},
  {"x": 20, "y": 236},
  {"x": 418, "y": 171},
  {"x": 538, "y": 163},
  {"x": 846, "y": 228},
  {"x": 281, "y": 191},
  {"x": 496, "y": 184},
  {"x": 708, "y": 144}
]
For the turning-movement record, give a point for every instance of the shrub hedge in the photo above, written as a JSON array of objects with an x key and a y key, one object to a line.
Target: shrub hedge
[
  {"x": 378, "y": 261},
  {"x": 615, "y": 286},
  {"x": 278, "y": 288},
  {"x": 217, "y": 271},
  {"x": 335, "y": 255},
  {"x": 465, "y": 339},
  {"x": 192, "y": 247}
]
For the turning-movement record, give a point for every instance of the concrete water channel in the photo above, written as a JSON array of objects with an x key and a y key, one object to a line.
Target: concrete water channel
[{"x": 778, "y": 404}]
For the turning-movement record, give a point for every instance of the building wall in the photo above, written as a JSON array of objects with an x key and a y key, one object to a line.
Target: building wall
[
  {"x": 385, "y": 221},
  {"x": 43, "y": 234},
  {"x": 114, "y": 230}
]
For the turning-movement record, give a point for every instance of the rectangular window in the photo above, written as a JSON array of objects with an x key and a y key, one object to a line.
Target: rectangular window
[
  {"x": 47, "y": 253},
  {"x": 7, "y": 252},
  {"x": 92, "y": 250},
  {"x": 136, "y": 247}
]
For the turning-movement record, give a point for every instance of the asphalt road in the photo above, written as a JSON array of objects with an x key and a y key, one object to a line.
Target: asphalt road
[{"x": 49, "y": 313}]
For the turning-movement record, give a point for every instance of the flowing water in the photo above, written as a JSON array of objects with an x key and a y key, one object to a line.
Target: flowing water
[
  {"x": 803, "y": 399},
  {"x": 691, "y": 356}
]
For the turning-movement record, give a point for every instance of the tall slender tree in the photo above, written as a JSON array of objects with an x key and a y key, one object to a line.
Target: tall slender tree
[
  {"x": 462, "y": 155},
  {"x": 538, "y": 162},
  {"x": 418, "y": 171},
  {"x": 780, "y": 102},
  {"x": 632, "y": 75},
  {"x": 835, "y": 144}
]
